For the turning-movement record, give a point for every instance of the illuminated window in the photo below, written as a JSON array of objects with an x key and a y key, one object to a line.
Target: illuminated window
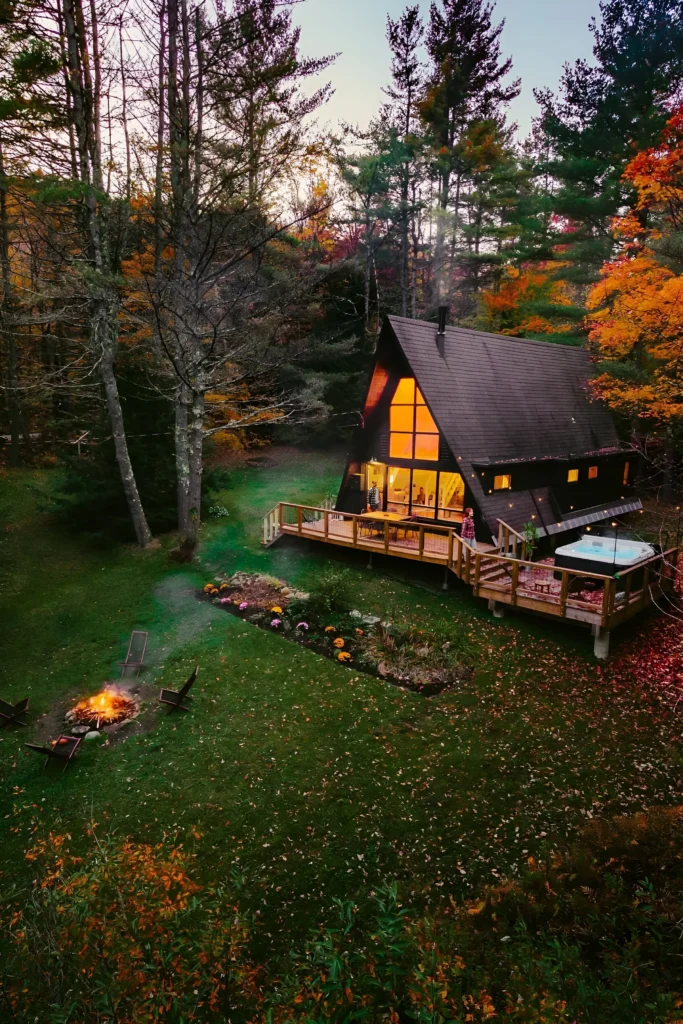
[
  {"x": 592, "y": 472},
  {"x": 627, "y": 470},
  {"x": 414, "y": 434},
  {"x": 398, "y": 490},
  {"x": 573, "y": 476},
  {"x": 451, "y": 496},
  {"x": 424, "y": 492},
  {"x": 401, "y": 446},
  {"x": 503, "y": 482},
  {"x": 427, "y": 447}
]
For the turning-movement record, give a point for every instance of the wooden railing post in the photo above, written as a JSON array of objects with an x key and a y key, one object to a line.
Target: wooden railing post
[
  {"x": 515, "y": 582},
  {"x": 468, "y": 564},
  {"x": 564, "y": 593},
  {"x": 449, "y": 557},
  {"x": 355, "y": 531},
  {"x": 608, "y": 602},
  {"x": 326, "y": 517},
  {"x": 459, "y": 565},
  {"x": 299, "y": 518},
  {"x": 386, "y": 535},
  {"x": 421, "y": 541},
  {"x": 281, "y": 514},
  {"x": 477, "y": 571}
]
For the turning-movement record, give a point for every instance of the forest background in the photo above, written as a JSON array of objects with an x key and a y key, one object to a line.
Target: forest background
[{"x": 188, "y": 261}]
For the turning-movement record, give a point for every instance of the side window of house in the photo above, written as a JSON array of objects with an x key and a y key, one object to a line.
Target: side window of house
[
  {"x": 573, "y": 476},
  {"x": 503, "y": 482}
]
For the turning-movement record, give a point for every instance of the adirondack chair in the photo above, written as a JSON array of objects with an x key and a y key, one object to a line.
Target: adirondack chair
[
  {"x": 13, "y": 712},
  {"x": 136, "y": 652},
  {"x": 61, "y": 749},
  {"x": 177, "y": 698}
]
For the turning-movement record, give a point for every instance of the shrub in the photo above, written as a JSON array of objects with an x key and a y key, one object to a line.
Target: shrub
[
  {"x": 423, "y": 659},
  {"x": 331, "y": 593},
  {"x": 124, "y": 935}
]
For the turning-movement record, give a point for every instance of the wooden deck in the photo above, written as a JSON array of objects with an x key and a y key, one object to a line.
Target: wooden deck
[{"x": 601, "y": 602}]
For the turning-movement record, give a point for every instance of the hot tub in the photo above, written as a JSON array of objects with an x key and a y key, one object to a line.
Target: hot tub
[{"x": 603, "y": 555}]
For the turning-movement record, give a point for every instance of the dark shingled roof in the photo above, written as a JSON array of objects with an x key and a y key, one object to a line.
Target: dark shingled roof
[{"x": 497, "y": 398}]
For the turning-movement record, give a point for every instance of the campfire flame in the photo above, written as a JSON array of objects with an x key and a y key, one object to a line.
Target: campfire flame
[{"x": 104, "y": 708}]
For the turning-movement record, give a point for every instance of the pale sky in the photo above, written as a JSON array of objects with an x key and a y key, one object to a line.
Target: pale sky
[{"x": 540, "y": 35}]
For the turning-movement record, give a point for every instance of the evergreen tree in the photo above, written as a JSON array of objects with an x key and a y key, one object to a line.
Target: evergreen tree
[
  {"x": 466, "y": 83},
  {"x": 404, "y": 36},
  {"x": 604, "y": 115}
]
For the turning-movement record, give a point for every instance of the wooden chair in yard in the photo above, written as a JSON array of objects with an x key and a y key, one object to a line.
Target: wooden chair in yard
[
  {"x": 13, "y": 712},
  {"x": 61, "y": 749},
  {"x": 177, "y": 698},
  {"x": 136, "y": 653}
]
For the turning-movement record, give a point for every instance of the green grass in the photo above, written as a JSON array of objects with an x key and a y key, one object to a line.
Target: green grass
[{"x": 304, "y": 779}]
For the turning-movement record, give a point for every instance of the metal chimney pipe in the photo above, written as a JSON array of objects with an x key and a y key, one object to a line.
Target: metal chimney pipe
[{"x": 443, "y": 320}]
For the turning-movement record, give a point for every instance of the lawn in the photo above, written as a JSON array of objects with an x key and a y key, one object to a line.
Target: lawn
[{"x": 298, "y": 778}]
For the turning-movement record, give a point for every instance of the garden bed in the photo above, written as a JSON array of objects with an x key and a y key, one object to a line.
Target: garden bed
[{"x": 416, "y": 660}]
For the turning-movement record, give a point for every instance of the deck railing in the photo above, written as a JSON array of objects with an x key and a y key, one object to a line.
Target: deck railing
[
  {"x": 511, "y": 541},
  {"x": 500, "y": 578}
]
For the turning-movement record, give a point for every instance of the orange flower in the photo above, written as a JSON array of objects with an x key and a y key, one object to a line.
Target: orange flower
[
  {"x": 330, "y": 629},
  {"x": 344, "y": 656},
  {"x": 359, "y": 632},
  {"x": 339, "y": 642}
]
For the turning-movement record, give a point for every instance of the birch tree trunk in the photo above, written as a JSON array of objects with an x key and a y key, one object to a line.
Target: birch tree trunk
[
  {"x": 182, "y": 458},
  {"x": 103, "y": 299},
  {"x": 111, "y": 391}
]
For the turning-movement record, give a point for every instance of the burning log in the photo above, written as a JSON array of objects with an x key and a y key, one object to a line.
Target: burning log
[{"x": 105, "y": 708}]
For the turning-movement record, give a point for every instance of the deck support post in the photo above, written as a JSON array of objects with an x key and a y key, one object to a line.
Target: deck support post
[
  {"x": 370, "y": 560},
  {"x": 601, "y": 643},
  {"x": 446, "y": 578},
  {"x": 498, "y": 609}
]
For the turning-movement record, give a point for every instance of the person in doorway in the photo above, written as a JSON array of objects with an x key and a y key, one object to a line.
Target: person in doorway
[
  {"x": 467, "y": 532},
  {"x": 373, "y": 499},
  {"x": 421, "y": 499}
]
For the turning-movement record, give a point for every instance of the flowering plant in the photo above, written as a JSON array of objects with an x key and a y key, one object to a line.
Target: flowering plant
[
  {"x": 276, "y": 610},
  {"x": 244, "y": 605},
  {"x": 275, "y": 623},
  {"x": 302, "y": 625},
  {"x": 339, "y": 642},
  {"x": 344, "y": 656},
  {"x": 330, "y": 629}
]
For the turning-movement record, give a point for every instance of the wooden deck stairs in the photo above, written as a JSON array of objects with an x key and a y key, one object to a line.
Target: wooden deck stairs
[{"x": 500, "y": 573}]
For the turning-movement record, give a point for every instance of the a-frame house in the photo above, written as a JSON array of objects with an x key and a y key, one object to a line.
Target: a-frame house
[{"x": 457, "y": 418}]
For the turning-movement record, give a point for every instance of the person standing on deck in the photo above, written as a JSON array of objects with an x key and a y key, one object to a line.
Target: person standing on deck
[
  {"x": 467, "y": 532},
  {"x": 373, "y": 499}
]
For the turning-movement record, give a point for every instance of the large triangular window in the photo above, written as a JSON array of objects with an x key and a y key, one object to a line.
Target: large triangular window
[{"x": 414, "y": 434}]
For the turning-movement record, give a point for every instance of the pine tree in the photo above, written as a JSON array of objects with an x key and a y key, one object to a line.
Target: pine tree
[
  {"x": 604, "y": 115},
  {"x": 404, "y": 36},
  {"x": 466, "y": 83}
]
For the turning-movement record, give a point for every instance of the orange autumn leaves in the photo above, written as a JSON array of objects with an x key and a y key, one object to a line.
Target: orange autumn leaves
[
  {"x": 636, "y": 310},
  {"x": 510, "y": 307}
]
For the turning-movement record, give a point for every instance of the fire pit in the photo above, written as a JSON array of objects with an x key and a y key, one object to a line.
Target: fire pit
[{"x": 109, "y": 707}]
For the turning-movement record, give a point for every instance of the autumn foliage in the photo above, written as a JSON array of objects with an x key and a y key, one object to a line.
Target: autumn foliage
[
  {"x": 124, "y": 934},
  {"x": 519, "y": 305},
  {"x": 636, "y": 310},
  {"x": 128, "y": 934}
]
